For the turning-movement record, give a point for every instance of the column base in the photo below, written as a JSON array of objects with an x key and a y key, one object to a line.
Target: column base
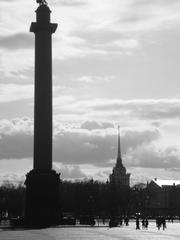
[{"x": 42, "y": 203}]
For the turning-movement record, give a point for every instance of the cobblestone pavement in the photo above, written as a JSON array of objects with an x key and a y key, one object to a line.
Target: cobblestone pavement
[{"x": 172, "y": 232}]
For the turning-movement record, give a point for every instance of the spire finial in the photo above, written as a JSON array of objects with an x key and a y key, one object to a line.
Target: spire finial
[
  {"x": 119, "y": 159},
  {"x": 119, "y": 147}
]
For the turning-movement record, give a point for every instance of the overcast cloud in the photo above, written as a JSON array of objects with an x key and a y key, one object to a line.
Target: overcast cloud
[
  {"x": 95, "y": 145},
  {"x": 16, "y": 41}
]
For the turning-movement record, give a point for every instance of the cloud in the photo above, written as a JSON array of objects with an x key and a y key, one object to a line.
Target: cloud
[
  {"x": 91, "y": 125},
  {"x": 105, "y": 36},
  {"x": 69, "y": 3},
  {"x": 118, "y": 46},
  {"x": 15, "y": 92},
  {"x": 89, "y": 149},
  {"x": 121, "y": 26},
  {"x": 125, "y": 17},
  {"x": 13, "y": 63},
  {"x": 69, "y": 171},
  {"x": 97, "y": 147},
  {"x": 88, "y": 28},
  {"x": 16, "y": 41},
  {"x": 122, "y": 111},
  {"x": 86, "y": 79},
  {"x": 151, "y": 15},
  {"x": 75, "y": 47},
  {"x": 71, "y": 145},
  {"x": 123, "y": 43},
  {"x": 153, "y": 157},
  {"x": 134, "y": 138},
  {"x": 16, "y": 125},
  {"x": 16, "y": 146},
  {"x": 16, "y": 140},
  {"x": 104, "y": 27},
  {"x": 8, "y": 0},
  {"x": 107, "y": 40}
]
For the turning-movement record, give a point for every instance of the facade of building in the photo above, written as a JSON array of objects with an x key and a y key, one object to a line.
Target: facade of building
[
  {"x": 119, "y": 176},
  {"x": 163, "y": 197}
]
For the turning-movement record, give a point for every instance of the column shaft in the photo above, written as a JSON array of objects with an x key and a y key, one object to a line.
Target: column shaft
[{"x": 43, "y": 101}]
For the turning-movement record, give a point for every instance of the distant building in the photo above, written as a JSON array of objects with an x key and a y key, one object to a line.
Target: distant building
[
  {"x": 163, "y": 197},
  {"x": 119, "y": 176}
]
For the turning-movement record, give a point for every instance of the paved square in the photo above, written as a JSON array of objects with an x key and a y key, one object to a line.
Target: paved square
[{"x": 172, "y": 232}]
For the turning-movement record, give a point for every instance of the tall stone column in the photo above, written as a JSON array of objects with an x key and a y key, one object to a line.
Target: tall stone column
[{"x": 42, "y": 183}]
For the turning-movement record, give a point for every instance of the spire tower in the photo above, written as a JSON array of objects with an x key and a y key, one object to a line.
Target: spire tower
[
  {"x": 119, "y": 159},
  {"x": 119, "y": 175}
]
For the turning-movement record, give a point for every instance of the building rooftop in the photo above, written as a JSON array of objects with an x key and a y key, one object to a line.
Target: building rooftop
[{"x": 161, "y": 182}]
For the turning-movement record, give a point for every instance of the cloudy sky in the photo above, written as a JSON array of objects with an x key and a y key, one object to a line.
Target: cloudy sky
[{"x": 114, "y": 62}]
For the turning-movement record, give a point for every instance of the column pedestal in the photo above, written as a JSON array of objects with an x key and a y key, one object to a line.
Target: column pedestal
[{"x": 42, "y": 198}]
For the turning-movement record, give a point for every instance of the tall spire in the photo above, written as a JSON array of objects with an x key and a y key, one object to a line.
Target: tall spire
[
  {"x": 119, "y": 175},
  {"x": 119, "y": 159}
]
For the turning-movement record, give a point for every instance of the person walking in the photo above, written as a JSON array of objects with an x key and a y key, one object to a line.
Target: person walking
[
  {"x": 164, "y": 223},
  {"x": 146, "y": 223},
  {"x": 143, "y": 223},
  {"x": 137, "y": 224}
]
